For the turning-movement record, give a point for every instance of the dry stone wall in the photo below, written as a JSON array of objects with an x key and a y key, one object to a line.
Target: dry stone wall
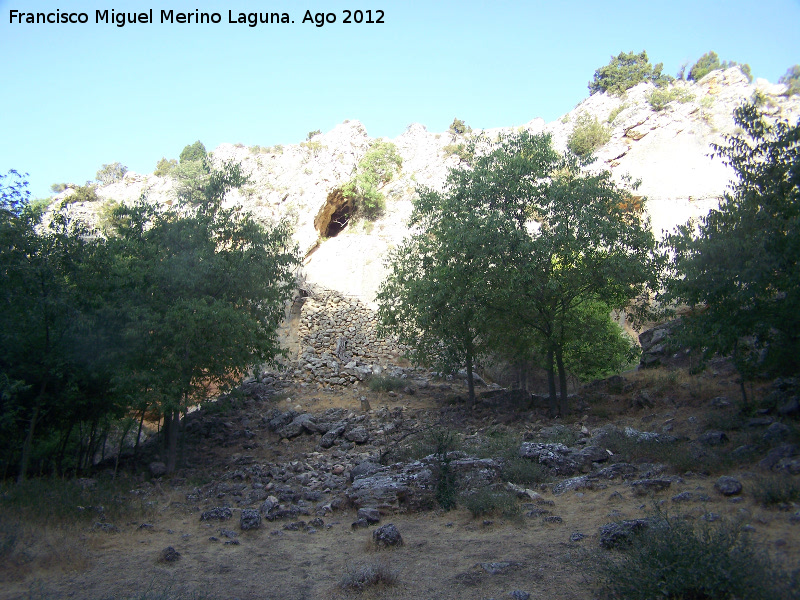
[{"x": 339, "y": 341}]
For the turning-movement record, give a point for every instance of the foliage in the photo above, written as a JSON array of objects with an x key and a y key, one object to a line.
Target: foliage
[
  {"x": 738, "y": 270},
  {"x": 625, "y": 71},
  {"x": 659, "y": 98},
  {"x": 444, "y": 441},
  {"x": 791, "y": 79},
  {"x": 385, "y": 383},
  {"x": 165, "y": 166},
  {"x": 311, "y": 134},
  {"x": 375, "y": 169},
  {"x": 375, "y": 574},
  {"x": 673, "y": 559},
  {"x": 193, "y": 152},
  {"x": 588, "y": 134},
  {"x": 111, "y": 173},
  {"x": 710, "y": 62},
  {"x": 458, "y": 127},
  {"x": 507, "y": 255},
  {"x": 312, "y": 148},
  {"x": 775, "y": 491},
  {"x": 83, "y": 193},
  {"x": 487, "y": 501},
  {"x": 57, "y": 188},
  {"x": 461, "y": 150},
  {"x": 612, "y": 116}
]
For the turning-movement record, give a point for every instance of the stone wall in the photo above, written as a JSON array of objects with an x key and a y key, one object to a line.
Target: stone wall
[{"x": 339, "y": 343}]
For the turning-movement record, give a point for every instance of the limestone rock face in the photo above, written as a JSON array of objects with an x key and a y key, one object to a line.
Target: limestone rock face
[{"x": 669, "y": 150}]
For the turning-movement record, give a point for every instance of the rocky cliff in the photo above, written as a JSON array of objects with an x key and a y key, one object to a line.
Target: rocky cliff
[{"x": 669, "y": 150}]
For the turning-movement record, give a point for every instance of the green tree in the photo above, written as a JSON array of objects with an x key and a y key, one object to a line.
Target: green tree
[
  {"x": 625, "y": 71},
  {"x": 738, "y": 269},
  {"x": 165, "y": 166},
  {"x": 375, "y": 169},
  {"x": 587, "y": 135},
  {"x": 791, "y": 79},
  {"x": 459, "y": 128},
  {"x": 710, "y": 62},
  {"x": 193, "y": 152},
  {"x": 205, "y": 288},
  {"x": 111, "y": 173}
]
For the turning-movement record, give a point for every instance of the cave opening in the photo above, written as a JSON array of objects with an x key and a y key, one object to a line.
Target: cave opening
[{"x": 335, "y": 215}]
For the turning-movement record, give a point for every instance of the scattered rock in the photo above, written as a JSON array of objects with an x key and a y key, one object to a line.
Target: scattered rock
[
  {"x": 358, "y": 435},
  {"x": 220, "y": 513},
  {"x": 713, "y": 438},
  {"x": 613, "y": 535},
  {"x": 728, "y": 486},
  {"x": 777, "y": 432},
  {"x": 519, "y": 595},
  {"x": 371, "y": 515},
  {"x": 643, "y": 487},
  {"x": 169, "y": 555},
  {"x": 387, "y": 536},
  {"x": 250, "y": 519}
]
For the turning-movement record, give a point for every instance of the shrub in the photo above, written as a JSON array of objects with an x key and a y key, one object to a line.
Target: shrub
[
  {"x": 672, "y": 559},
  {"x": 524, "y": 471},
  {"x": 57, "y": 188},
  {"x": 791, "y": 79},
  {"x": 367, "y": 576},
  {"x": 164, "y": 167},
  {"x": 625, "y": 71},
  {"x": 587, "y": 135},
  {"x": 385, "y": 383},
  {"x": 111, "y": 173},
  {"x": 487, "y": 501},
  {"x": 312, "y": 148},
  {"x": 193, "y": 152},
  {"x": 375, "y": 169},
  {"x": 458, "y": 127},
  {"x": 659, "y": 98},
  {"x": 710, "y": 62},
  {"x": 615, "y": 113},
  {"x": 773, "y": 491},
  {"x": 83, "y": 193},
  {"x": 460, "y": 150},
  {"x": 311, "y": 134}
]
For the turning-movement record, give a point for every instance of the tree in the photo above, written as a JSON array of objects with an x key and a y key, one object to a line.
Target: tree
[
  {"x": 710, "y": 62},
  {"x": 791, "y": 79},
  {"x": 375, "y": 169},
  {"x": 738, "y": 269},
  {"x": 205, "y": 288},
  {"x": 514, "y": 252},
  {"x": 458, "y": 127},
  {"x": 111, "y": 173},
  {"x": 625, "y": 71},
  {"x": 165, "y": 166},
  {"x": 193, "y": 152}
]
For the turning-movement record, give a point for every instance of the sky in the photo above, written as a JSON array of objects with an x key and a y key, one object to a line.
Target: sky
[{"x": 76, "y": 96}]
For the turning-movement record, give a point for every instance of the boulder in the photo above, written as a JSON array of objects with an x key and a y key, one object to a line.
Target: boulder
[
  {"x": 387, "y": 536},
  {"x": 728, "y": 486},
  {"x": 250, "y": 519}
]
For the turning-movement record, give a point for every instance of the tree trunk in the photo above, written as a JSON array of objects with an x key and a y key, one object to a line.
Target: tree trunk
[
  {"x": 551, "y": 384},
  {"x": 138, "y": 435},
  {"x": 171, "y": 423},
  {"x": 470, "y": 381},
  {"x": 26, "y": 447},
  {"x": 63, "y": 449},
  {"x": 562, "y": 382}
]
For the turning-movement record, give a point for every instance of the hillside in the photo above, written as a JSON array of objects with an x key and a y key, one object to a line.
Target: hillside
[{"x": 668, "y": 150}]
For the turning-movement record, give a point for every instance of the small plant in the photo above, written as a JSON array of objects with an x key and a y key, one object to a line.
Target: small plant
[
  {"x": 588, "y": 134},
  {"x": 487, "y": 501},
  {"x": 523, "y": 471},
  {"x": 773, "y": 491},
  {"x": 372, "y": 575},
  {"x": 312, "y": 148},
  {"x": 111, "y": 173},
  {"x": 57, "y": 188},
  {"x": 311, "y": 134},
  {"x": 444, "y": 441},
  {"x": 672, "y": 559},
  {"x": 659, "y": 98},
  {"x": 460, "y": 150},
  {"x": 615, "y": 113},
  {"x": 791, "y": 79},
  {"x": 385, "y": 383},
  {"x": 459, "y": 128},
  {"x": 375, "y": 169},
  {"x": 83, "y": 193},
  {"x": 164, "y": 167}
]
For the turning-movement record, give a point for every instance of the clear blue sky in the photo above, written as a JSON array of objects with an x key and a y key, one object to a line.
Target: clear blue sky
[{"x": 77, "y": 96}]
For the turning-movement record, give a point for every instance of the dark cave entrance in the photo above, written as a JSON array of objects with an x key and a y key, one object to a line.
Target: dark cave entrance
[{"x": 334, "y": 216}]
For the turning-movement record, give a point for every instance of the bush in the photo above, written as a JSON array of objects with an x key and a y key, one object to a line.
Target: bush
[
  {"x": 111, "y": 173},
  {"x": 83, "y": 193},
  {"x": 375, "y": 169},
  {"x": 774, "y": 491},
  {"x": 791, "y": 79},
  {"x": 312, "y": 148},
  {"x": 193, "y": 152},
  {"x": 385, "y": 383},
  {"x": 487, "y": 501},
  {"x": 710, "y": 62},
  {"x": 311, "y": 134},
  {"x": 458, "y": 127},
  {"x": 615, "y": 113},
  {"x": 164, "y": 167},
  {"x": 587, "y": 135},
  {"x": 57, "y": 188},
  {"x": 671, "y": 559},
  {"x": 625, "y": 71},
  {"x": 459, "y": 150},
  {"x": 524, "y": 471},
  {"x": 367, "y": 576},
  {"x": 659, "y": 98}
]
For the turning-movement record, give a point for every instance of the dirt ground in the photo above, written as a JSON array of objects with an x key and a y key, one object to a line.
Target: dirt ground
[{"x": 446, "y": 555}]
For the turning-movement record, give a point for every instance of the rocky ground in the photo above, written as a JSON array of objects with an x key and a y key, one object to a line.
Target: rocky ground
[{"x": 293, "y": 491}]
